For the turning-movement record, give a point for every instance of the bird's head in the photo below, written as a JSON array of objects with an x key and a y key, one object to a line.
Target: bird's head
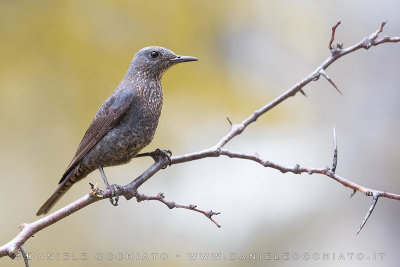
[{"x": 155, "y": 60}]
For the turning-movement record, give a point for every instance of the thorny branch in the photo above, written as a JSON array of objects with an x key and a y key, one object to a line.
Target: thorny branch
[{"x": 130, "y": 190}]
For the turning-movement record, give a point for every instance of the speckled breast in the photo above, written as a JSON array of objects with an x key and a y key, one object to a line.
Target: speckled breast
[{"x": 135, "y": 131}]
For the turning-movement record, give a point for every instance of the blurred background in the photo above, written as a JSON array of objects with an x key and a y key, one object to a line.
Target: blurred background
[{"x": 59, "y": 60}]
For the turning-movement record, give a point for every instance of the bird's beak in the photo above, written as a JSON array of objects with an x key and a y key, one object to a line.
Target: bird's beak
[{"x": 179, "y": 59}]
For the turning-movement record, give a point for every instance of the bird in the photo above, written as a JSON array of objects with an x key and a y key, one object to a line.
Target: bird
[{"x": 125, "y": 123}]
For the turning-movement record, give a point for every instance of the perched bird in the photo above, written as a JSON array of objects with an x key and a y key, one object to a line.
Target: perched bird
[{"x": 126, "y": 121}]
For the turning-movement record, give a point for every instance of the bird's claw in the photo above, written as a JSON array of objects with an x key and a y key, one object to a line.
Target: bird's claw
[
  {"x": 164, "y": 153},
  {"x": 114, "y": 196}
]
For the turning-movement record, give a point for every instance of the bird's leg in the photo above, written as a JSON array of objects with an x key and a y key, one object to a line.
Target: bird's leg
[
  {"x": 113, "y": 201},
  {"x": 158, "y": 153}
]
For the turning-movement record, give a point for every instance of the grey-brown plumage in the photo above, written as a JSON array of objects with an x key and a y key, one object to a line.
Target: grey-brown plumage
[{"x": 125, "y": 123}]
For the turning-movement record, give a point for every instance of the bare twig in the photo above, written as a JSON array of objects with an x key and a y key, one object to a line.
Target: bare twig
[
  {"x": 130, "y": 190},
  {"x": 333, "y": 35},
  {"x": 297, "y": 169},
  {"x": 170, "y": 204},
  {"x": 30, "y": 229},
  {"x": 375, "y": 35}
]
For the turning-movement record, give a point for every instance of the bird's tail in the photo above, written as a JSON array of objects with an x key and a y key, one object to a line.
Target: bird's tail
[{"x": 65, "y": 184}]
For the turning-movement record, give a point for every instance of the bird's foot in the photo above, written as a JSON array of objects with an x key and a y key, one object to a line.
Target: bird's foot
[
  {"x": 114, "y": 188},
  {"x": 163, "y": 153},
  {"x": 157, "y": 154},
  {"x": 114, "y": 194},
  {"x": 97, "y": 192}
]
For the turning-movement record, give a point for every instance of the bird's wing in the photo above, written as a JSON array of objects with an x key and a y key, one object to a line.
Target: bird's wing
[{"x": 109, "y": 114}]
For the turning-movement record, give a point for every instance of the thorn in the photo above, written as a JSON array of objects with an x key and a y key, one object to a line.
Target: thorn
[
  {"x": 229, "y": 121},
  {"x": 303, "y": 93},
  {"x": 335, "y": 151},
  {"x": 24, "y": 255},
  {"x": 375, "y": 197},
  {"x": 323, "y": 73},
  {"x": 354, "y": 192}
]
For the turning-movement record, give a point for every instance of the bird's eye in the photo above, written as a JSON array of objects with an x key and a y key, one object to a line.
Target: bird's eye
[{"x": 154, "y": 54}]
